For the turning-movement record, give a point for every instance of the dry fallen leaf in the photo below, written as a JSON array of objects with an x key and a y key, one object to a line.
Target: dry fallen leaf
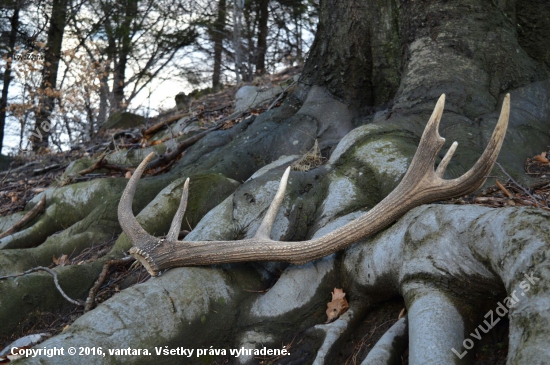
[
  {"x": 402, "y": 313},
  {"x": 540, "y": 158},
  {"x": 61, "y": 261},
  {"x": 128, "y": 174},
  {"x": 338, "y": 306}
]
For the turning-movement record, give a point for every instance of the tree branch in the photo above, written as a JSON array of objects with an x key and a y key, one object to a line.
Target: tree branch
[
  {"x": 79, "y": 303},
  {"x": 90, "y": 301}
]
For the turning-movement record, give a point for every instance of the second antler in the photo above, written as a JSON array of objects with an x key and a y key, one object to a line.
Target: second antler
[{"x": 420, "y": 185}]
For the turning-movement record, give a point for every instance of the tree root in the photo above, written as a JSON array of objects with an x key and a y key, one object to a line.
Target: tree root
[
  {"x": 182, "y": 146},
  {"x": 102, "y": 164},
  {"x": 30, "y": 292},
  {"x": 282, "y": 95},
  {"x": 55, "y": 280},
  {"x": 47, "y": 169},
  {"x": 149, "y": 132},
  {"x": 390, "y": 346},
  {"x": 26, "y": 218}
]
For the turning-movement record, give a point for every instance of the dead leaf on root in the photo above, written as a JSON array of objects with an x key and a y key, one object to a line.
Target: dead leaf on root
[
  {"x": 338, "y": 306},
  {"x": 61, "y": 261}
]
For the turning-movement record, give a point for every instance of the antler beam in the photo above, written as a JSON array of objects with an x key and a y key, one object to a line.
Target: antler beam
[{"x": 420, "y": 185}]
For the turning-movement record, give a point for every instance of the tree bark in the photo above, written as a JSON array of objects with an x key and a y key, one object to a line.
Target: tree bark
[
  {"x": 119, "y": 70},
  {"x": 237, "y": 15},
  {"x": 218, "y": 36},
  {"x": 52, "y": 56},
  {"x": 262, "y": 36},
  {"x": 372, "y": 53},
  {"x": 14, "y": 23},
  {"x": 103, "y": 101}
]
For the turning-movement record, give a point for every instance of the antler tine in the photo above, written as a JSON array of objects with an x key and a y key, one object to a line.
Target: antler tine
[
  {"x": 264, "y": 231},
  {"x": 176, "y": 222},
  {"x": 445, "y": 161},
  {"x": 476, "y": 176},
  {"x": 430, "y": 144},
  {"x": 139, "y": 237},
  {"x": 431, "y": 139}
]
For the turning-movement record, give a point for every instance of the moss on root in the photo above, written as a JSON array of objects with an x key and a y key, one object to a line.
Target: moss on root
[{"x": 36, "y": 291}]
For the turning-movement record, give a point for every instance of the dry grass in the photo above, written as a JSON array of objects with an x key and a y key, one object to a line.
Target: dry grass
[{"x": 310, "y": 160}]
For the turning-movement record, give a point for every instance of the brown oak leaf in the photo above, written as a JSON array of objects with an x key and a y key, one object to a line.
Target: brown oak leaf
[
  {"x": 338, "y": 306},
  {"x": 61, "y": 261}
]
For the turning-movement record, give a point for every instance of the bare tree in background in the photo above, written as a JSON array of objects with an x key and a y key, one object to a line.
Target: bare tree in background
[
  {"x": 12, "y": 38},
  {"x": 48, "y": 94},
  {"x": 218, "y": 34},
  {"x": 237, "y": 15}
]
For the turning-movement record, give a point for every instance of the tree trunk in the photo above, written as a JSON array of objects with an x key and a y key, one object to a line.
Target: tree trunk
[
  {"x": 406, "y": 53},
  {"x": 262, "y": 36},
  {"x": 103, "y": 99},
  {"x": 43, "y": 125},
  {"x": 14, "y": 23},
  {"x": 122, "y": 53},
  {"x": 299, "y": 37},
  {"x": 218, "y": 36},
  {"x": 237, "y": 15}
]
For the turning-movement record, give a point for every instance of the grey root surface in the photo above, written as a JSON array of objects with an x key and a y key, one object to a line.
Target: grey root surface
[{"x": 366, "y": 93}]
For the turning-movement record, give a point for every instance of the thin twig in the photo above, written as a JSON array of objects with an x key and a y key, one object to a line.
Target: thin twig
[
  {"x": 94, "y": 166},
  {"x": 504, "y": 190},
  {"x": 159, "y": 141},
  {"x": 363, "y": 342},
  {"x": 171, "y": 131},
  {"x": 281, "y": 95},
  {"x": 19, "y": 168},
  {"x": 90, "y": 301},
  {"x": 518, "y": 185},
  {"x": 26, "y": 218},
  {"x": 102, "y": 164},
  {"x": 188, "y": 224},
  {"x": 5, "y": 177},
  {"x": 182, "y": 146},
  {"x": 45, "y": 169},
  {"x": 147, "y": 133},
  {"x": 79, "y": 303}
]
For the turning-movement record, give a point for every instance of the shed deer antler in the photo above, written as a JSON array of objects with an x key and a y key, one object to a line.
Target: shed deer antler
[{"x": 420, "y": 185}]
